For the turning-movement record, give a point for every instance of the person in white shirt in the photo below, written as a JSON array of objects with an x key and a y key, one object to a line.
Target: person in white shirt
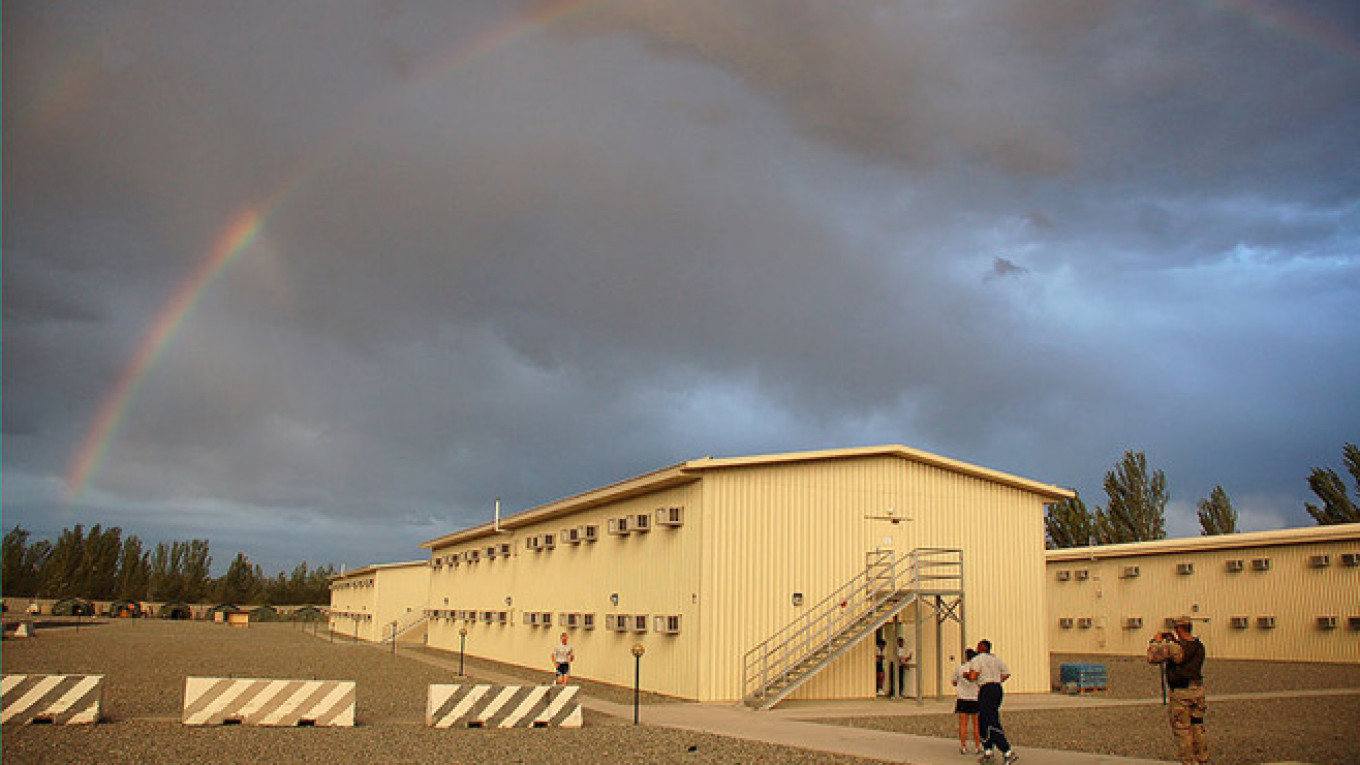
[
  {"x": 989, "y": 672},
  {"x": 562, "y": 657},
  {"x": 966, "y": 705},
  {"x": 901, "y": 663}
]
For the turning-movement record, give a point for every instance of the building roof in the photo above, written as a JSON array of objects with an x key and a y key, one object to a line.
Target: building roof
[
  {"x": 1308, "y": 535},
  {"x": 365, "y": 570},
  {"x": 691, "y": 471}
]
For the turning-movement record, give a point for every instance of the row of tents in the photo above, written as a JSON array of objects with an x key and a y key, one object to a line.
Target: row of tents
[{"x": 178, "y": 610}]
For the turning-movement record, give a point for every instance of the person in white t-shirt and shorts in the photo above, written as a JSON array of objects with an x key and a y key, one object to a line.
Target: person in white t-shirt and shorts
[
  {"x": 562, "y": 657},
  {"x": 966, "y": 705}
]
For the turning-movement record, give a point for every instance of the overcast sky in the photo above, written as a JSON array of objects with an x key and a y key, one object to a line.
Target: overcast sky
[{"x": 522, "y": 251}]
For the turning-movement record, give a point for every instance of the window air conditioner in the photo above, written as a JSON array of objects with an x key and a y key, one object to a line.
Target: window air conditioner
[
  {"x": 1082, "y": 575},
  {"x": 619, "y": 526},
  {"x": 1240, "y": 622},
  {"x": 572, "y": 536},
  {"x": 505, "y": 549},
  {"x": 491, "y": 552},
  {"x": 1064, "y": 575},
  {"x": 1185, "y": 568},
  {"x": 587, "y": 621},
  {"x": 1350, "y": 559},
  {"x": 1320, "y": 561},
  {"x": 670, "y": 516},
  {"x": 549, "y": 542},
  {"x": 639, "y": 622},
  {"x": 1084, "y": 622},
  {"x": 1326, "y": 622},
  {"x": 1133, "y": 622},
  {"x": 590, "y": 532},
  {"x": 1129, "y": 572},
  {"x": 1265, "y": 622},
  {"x": 668, "y": 624},
  {"x": 641, "y": 522},
  {"x": 1260, "y": 564},
  {"x": 1065, "y": 623},
  {"x": 1234, "y": 565}
]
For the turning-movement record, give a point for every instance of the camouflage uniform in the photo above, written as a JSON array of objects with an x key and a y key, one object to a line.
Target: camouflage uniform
[{"x": 1184, "y": 660}]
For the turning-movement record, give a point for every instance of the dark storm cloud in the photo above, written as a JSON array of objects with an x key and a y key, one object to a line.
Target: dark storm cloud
[{"x": 1026, "y": 235}]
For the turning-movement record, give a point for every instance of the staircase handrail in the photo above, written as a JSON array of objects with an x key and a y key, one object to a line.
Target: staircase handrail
[
  {"x": 884, "y": 574},
  {"x": 404, "y": 624},
  {"x": 780, "y": 652}
]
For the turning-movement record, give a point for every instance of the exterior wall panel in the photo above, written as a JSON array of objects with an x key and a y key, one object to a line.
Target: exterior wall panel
[
  {"x": 802, "y": 527},
  {"x": 1293, "y": 592},
  {"x": 653, "y": 573}
]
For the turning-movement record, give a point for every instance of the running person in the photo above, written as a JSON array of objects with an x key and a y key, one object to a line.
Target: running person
[{"x": 989, "y": 672}]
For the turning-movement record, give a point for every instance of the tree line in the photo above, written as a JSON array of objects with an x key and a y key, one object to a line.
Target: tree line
[
  {"x": 1136, "y": 510},
  {"x": 102, "y": 564}
]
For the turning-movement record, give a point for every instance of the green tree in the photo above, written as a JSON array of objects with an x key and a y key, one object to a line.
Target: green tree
[
  {"x": 243, "y": 582},
  {"x": 1137, "y": 508},
  {"x": 1216, "y": 514},
  {"x": 63, "y": 574},
  {"x": 15, "y": 577},
  {"x": 1068, "y": 524},
  {"x": 197, "y": 570},
  {"x": 1337, "y": 506},
  {"x": 100, "y": 563},
  {"x": 134, "y": 570}
]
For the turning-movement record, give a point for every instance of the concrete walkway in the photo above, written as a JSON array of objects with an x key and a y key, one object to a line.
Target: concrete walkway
[{"x": 788, "y": 724}]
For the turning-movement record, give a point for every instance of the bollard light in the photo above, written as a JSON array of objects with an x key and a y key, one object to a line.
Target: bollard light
[{"x": 638, "y": 650}]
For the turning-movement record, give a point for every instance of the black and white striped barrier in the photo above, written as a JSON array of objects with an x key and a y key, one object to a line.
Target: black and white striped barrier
[
  {"x": 502, "y": 706},
  {"x": 53, "y": 699},
  {"x": 282, "y": 703}
]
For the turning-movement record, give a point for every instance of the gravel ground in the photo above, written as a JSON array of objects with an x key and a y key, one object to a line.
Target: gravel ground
[
  {"x": 1314, "y": 730},
  {"x": 145, "y": 663}
]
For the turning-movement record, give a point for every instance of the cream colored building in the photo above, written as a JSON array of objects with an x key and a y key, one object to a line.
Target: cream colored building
[
  {"x": 702, "y": 561},
  {"x": 1292, "y": 594},
  {"x": 372, "y": 602}
]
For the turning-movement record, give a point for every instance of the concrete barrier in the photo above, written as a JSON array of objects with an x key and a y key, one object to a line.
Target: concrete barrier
[
  {"x": 52, "y": 699},
  {"x": 502, "y": 706},
  {"x": 281, "y": 703}
]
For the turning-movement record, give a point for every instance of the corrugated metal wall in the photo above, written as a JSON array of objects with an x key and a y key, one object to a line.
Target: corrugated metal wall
[
  {"x": 1293, "y": 591},
  {"x": 653, "y": 573},
  {"x": 776, "y": 530}
]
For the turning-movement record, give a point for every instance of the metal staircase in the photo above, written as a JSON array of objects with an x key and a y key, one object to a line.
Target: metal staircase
[
  {"x": 789, "y": 658},
  {"x": 410, "y": 621}
]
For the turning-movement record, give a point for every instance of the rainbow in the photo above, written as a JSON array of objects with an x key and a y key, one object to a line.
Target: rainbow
[{"x": 245, "y": 228}]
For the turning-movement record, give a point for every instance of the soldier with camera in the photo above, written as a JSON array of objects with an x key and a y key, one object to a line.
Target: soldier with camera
[{"x": 1182, "y": 658}]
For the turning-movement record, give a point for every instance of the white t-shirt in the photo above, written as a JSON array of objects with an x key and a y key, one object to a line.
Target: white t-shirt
[
  {"x": 968, "y": 689},
  {"x": 562, "y": 653},
  {"x": 989, "y": 668}
]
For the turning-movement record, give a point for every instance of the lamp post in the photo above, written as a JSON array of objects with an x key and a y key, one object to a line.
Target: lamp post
[
  {"x": 638, "y": 650},
  {"x": 462, "y": 643}
]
